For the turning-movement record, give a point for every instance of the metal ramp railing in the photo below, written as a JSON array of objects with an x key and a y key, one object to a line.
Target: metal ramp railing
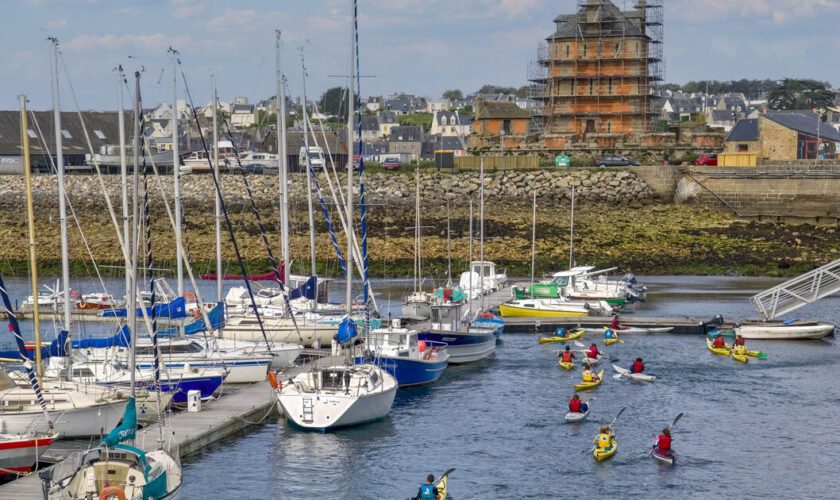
[{"x": 799, "y": 291}]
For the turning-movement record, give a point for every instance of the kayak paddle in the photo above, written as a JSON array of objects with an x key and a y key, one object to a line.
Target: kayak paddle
[
  {"x": 442, "y": 476},
  {"x": 619, "y": 414},
  {"x": 676, "y": 420},
  {"x": 579, "y": 344}
]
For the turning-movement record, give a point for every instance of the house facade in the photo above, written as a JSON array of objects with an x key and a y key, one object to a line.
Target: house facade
[
  {"x": 451, "y": 123},
  {"x": 784, "y": 136}
]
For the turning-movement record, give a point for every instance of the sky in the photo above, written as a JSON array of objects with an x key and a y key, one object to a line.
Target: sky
[{"x": 416, "y": 46}]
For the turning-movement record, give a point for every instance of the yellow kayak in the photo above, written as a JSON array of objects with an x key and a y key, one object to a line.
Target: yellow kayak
[
  {"x": 611, "y": 341},
  {"x": 585, "y": 386},
  {"x": 601, "y": 455},
  {"x": 720, "y": 351},
  {"x": 567, "y": 365},
  {"x": 741, "y": 358},
  {"x": 572, "y": 335}
]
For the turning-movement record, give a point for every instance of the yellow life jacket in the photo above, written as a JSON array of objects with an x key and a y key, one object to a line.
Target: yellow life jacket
[
  {"x": 604, "y": 441},
  {"x": 587, "y": 376},
  {"x": 740, "y": 349}
]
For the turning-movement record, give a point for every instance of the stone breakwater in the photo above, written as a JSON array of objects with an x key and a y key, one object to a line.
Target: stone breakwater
[{"x": 613, "y": 187}]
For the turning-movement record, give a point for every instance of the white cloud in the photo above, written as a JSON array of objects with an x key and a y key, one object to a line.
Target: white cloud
[
  {"x": 149, "y": 43},
  {"x": 186, "y": 8},
  {"x": 232, "y": 18},
  {"x": 778, "y": 11},
  {"x": 56, "y": 24}
]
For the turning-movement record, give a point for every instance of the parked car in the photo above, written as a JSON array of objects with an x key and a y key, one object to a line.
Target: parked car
[
  {"x": 709, "y": 159},
  {"x": 615, "y": 161},
  {"x": 391, "y": 164}
]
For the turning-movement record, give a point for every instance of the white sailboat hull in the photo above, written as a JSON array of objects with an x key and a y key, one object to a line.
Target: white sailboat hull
[
  {"x": 76, "y": 422},
  {"x": 307, "y": 334},
  {"x": 780, "y": 331}
]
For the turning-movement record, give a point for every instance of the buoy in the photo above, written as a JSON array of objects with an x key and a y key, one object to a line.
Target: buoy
[
  {"x": 272, "y": 380},
  {"x": 111, "y": 491},
  {"x": 421, "y": 345}
]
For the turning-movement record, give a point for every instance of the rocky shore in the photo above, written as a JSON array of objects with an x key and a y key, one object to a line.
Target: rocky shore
[{"x": 619, "y": 222}]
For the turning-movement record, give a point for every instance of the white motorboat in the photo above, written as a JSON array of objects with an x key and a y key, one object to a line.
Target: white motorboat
[
  {"x": 283, "y": 355},
  {"x": 418, "y": 306},
  {"x": 553, "y": 308},
  {"x": 19, "y": 453},
  {"x": 268, "y": 161},
  {"x": 783, "y": 330},
  {"x": 465, "y": 344},
  {"x": 337, "y": 396}
]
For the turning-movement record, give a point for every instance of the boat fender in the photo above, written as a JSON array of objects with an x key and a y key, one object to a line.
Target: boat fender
[
  {"x": 196, "y": 313},
  {"x": 111, "y": 491},
  {"x": 421, "y": 346},
  {"x": 272, "y": 380},
  {"x": 189, "y": 296}
]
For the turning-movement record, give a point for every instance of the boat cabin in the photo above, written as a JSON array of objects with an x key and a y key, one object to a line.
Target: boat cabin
[{"x": 447, "y": 316}]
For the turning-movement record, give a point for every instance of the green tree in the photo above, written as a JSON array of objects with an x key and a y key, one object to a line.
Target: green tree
[
  {"x": 800, "y": 94},
  {"x": 453, "y": 95},
  {"x": 334, "y": 102}
]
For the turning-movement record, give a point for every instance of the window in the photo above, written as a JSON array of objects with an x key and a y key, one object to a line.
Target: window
[
  {"x": 568, "y": 45},
  {"x": 584, "y": 50},
  {"x": 32, "y": 134},
  {"x": 609, "y": 86},
  {"x": 99, "y": 134},
  {"x": 609, "y": 127},
  {"x": 506, "y": 126},
  {"x": 743, "y": 148},
  {"x": 66, "y": 134}
]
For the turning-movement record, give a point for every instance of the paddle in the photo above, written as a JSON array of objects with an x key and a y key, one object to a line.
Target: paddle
[
  {"x": 619, "y": 414},
  {"x": 441, "y": 478}
]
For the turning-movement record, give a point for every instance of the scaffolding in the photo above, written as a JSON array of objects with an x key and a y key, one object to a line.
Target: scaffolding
[{"x": 600, "y": 72}]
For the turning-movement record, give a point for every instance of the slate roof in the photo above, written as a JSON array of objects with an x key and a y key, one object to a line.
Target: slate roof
[
  {"x": 805, "y": 122},
  {"x": 463, "y": 119},
  {"x": 406, "y": 134},
  {"x": 498, "y": 109},
  {"x": 722, "y": 115},
  {"x": 104, "y": 122},
  {"x": 614, "y": 22},
  {"x": 387, "y": 117},
  {"x": 744, "y": 130}
]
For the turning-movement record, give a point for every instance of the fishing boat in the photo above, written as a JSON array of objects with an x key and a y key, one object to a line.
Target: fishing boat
[
  {"x": 412, "y": 362},
  {"x": 464, "y": 344},
  {"x": 548, "y": 308},
  {"x": 783, "y": 330}
]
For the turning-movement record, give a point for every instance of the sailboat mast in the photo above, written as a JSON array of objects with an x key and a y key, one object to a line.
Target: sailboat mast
[
  {"x": 62, "y": 202},
  {"x": 448, "y": 248},
  {"x": 534, "y": 238},
  {"x": 572, "y": 233},
  {"x": 131, "y": 293},
  {"x": 30, "y": 226},
  {"x": 312, "y": 262},
  {"x": 284, "y": 163},
  {"x": 481, "y": 227},
  {"x": 123, "y": 163},
  {"x": 218, "y": 211},
  {"x": 469, "y": 258},
  {"x": 417, "y": 234},
  {"x": 349, "y": 208},
  {"x": 176, "y": 171}
]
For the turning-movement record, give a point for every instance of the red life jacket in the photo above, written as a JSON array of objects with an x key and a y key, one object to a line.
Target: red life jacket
[
  {"x": 719, "y": 342},
  {"x": 574, "y": 406},
  {"x": 593, "y": 352},
  {"x": 566, "y": 357},
  {"x": 638, "y": 367},
  {"x": 739, "y": 342},
  {"x": 664, "y": 442},
  {"x": 614, "y": 324}
]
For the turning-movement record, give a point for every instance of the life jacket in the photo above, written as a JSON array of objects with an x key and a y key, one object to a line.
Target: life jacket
[
  {"x": 608, "y": 333},
  {"x": 592, "y": 352},
  {"x": 587, "y": 376},
  {"x": 719, "y": 342},
  {"x": 566, "y": 356},
  {"x": 427, "y": 492},
  {"x": 614, "y": 324},
  {"x": 638, "y": 367},
  {"x": 664, "y": 442},
  {"x": 740, "y": 342},
  {"x": 740, "y": 349},
  {"x": 604, "y": 441},
  {"x": 574, "y": 406}
]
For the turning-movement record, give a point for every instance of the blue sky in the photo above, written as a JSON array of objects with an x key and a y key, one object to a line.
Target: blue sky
[{"x": 417, "y": 46}]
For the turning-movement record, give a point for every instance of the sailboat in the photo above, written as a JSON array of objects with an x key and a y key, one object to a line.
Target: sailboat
[
  {"x": 417, "y": 305},
  {"x": 115, "y": 468},
  {"x": 342, "y": 395}
]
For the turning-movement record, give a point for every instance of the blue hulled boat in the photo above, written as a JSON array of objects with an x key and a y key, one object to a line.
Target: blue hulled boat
[
  {"x": 411, "y": 361},
  {"x": 465, "y": 345}
]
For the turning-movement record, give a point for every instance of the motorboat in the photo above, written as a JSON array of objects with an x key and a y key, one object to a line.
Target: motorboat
[
  {"x": 783, "y": 329},
  {"x": 551, "y": 308},
  {"x": 411, "y": 361},
  {"x": 584, "y": 283},
  {"x": 464, "y": 343},
  {"x": 19, "y": 453}
]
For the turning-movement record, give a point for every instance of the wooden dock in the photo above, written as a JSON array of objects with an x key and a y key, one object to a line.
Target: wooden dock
[{"x": 238, "y": 408}]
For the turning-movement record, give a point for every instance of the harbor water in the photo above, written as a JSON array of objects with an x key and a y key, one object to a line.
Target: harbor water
[{"x": 762, "y": 429}]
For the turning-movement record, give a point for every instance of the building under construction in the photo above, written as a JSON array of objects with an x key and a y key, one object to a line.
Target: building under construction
[{"x": 598, "y": 72}]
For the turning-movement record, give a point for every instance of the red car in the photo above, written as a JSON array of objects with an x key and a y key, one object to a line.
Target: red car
[
  {"x": 709, "y": 160},
  {"x": 391, "y": 164}
]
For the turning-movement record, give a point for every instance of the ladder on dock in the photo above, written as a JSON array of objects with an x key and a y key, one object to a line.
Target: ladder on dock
[{"x": 799, "y": 291}]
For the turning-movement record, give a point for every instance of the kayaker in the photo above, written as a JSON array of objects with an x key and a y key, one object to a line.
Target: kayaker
[
  {"x": 664, "y": 441},
  {"x": 739, "y": 340},
  {"x": 604, "y": 439},
  {"x": 566, "y": 356},
  {"x": 609, "y": 333},
  {"x": 589, "y": 374},
  {"x": 428, "y": 490},
  {"x": 740, "y": 349},
  {"x": 593, "y": 352},
  {"x": 638, "y": 366},
  {"x": 615, "y": 325},
  {"x": 719, "y": 342},
  {"x": 576, "y": 405}
]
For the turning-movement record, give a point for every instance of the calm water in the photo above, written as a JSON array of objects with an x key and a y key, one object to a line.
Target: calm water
[{"x": 500, "y": 423}]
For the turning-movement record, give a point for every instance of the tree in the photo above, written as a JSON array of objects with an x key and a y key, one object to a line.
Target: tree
[
  {"x": 800, "y": 94},
  {"x": 334, "y": 102},
  {"x": 453, "y": 95}
]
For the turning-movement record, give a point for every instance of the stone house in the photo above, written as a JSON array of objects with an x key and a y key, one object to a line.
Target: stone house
[
  {"x": 406, "y": 141},
  {"x": 243, "y": 115},
  {"x": 784, "y": 136},
  {"x": 451, "y": 123},
  {"x": 500, "y": 118},
  {"x": 387, "y": 120}
]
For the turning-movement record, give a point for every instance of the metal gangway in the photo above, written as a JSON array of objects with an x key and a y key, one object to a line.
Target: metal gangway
[{"x": 799, "y": 291}]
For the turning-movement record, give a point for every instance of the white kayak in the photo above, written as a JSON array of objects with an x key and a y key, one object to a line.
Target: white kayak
[
  {"x": 634, "y": 330},
  {"x": 624, "y": 372},
  {"x": 591, "y": 361},
  {"x": 572, "y": 417}
]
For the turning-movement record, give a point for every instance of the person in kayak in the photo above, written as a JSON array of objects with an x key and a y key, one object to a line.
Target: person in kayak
[
  {"x": 593, "y": 352},
  {"x": 577, "y": 406},
  {"x": 616, "y": 325},
  {"x": 428, "y": 490},
  {"x": 609, "y": 333},
  {"x": 589, "y": 374},
  {"x": 605, "y": 437},
  {"x": 663, "y": 442},
  {"x": 638, "y": 366},
  {"x": 566, "y": 356},
  {"x": 719, "y": 342}
]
